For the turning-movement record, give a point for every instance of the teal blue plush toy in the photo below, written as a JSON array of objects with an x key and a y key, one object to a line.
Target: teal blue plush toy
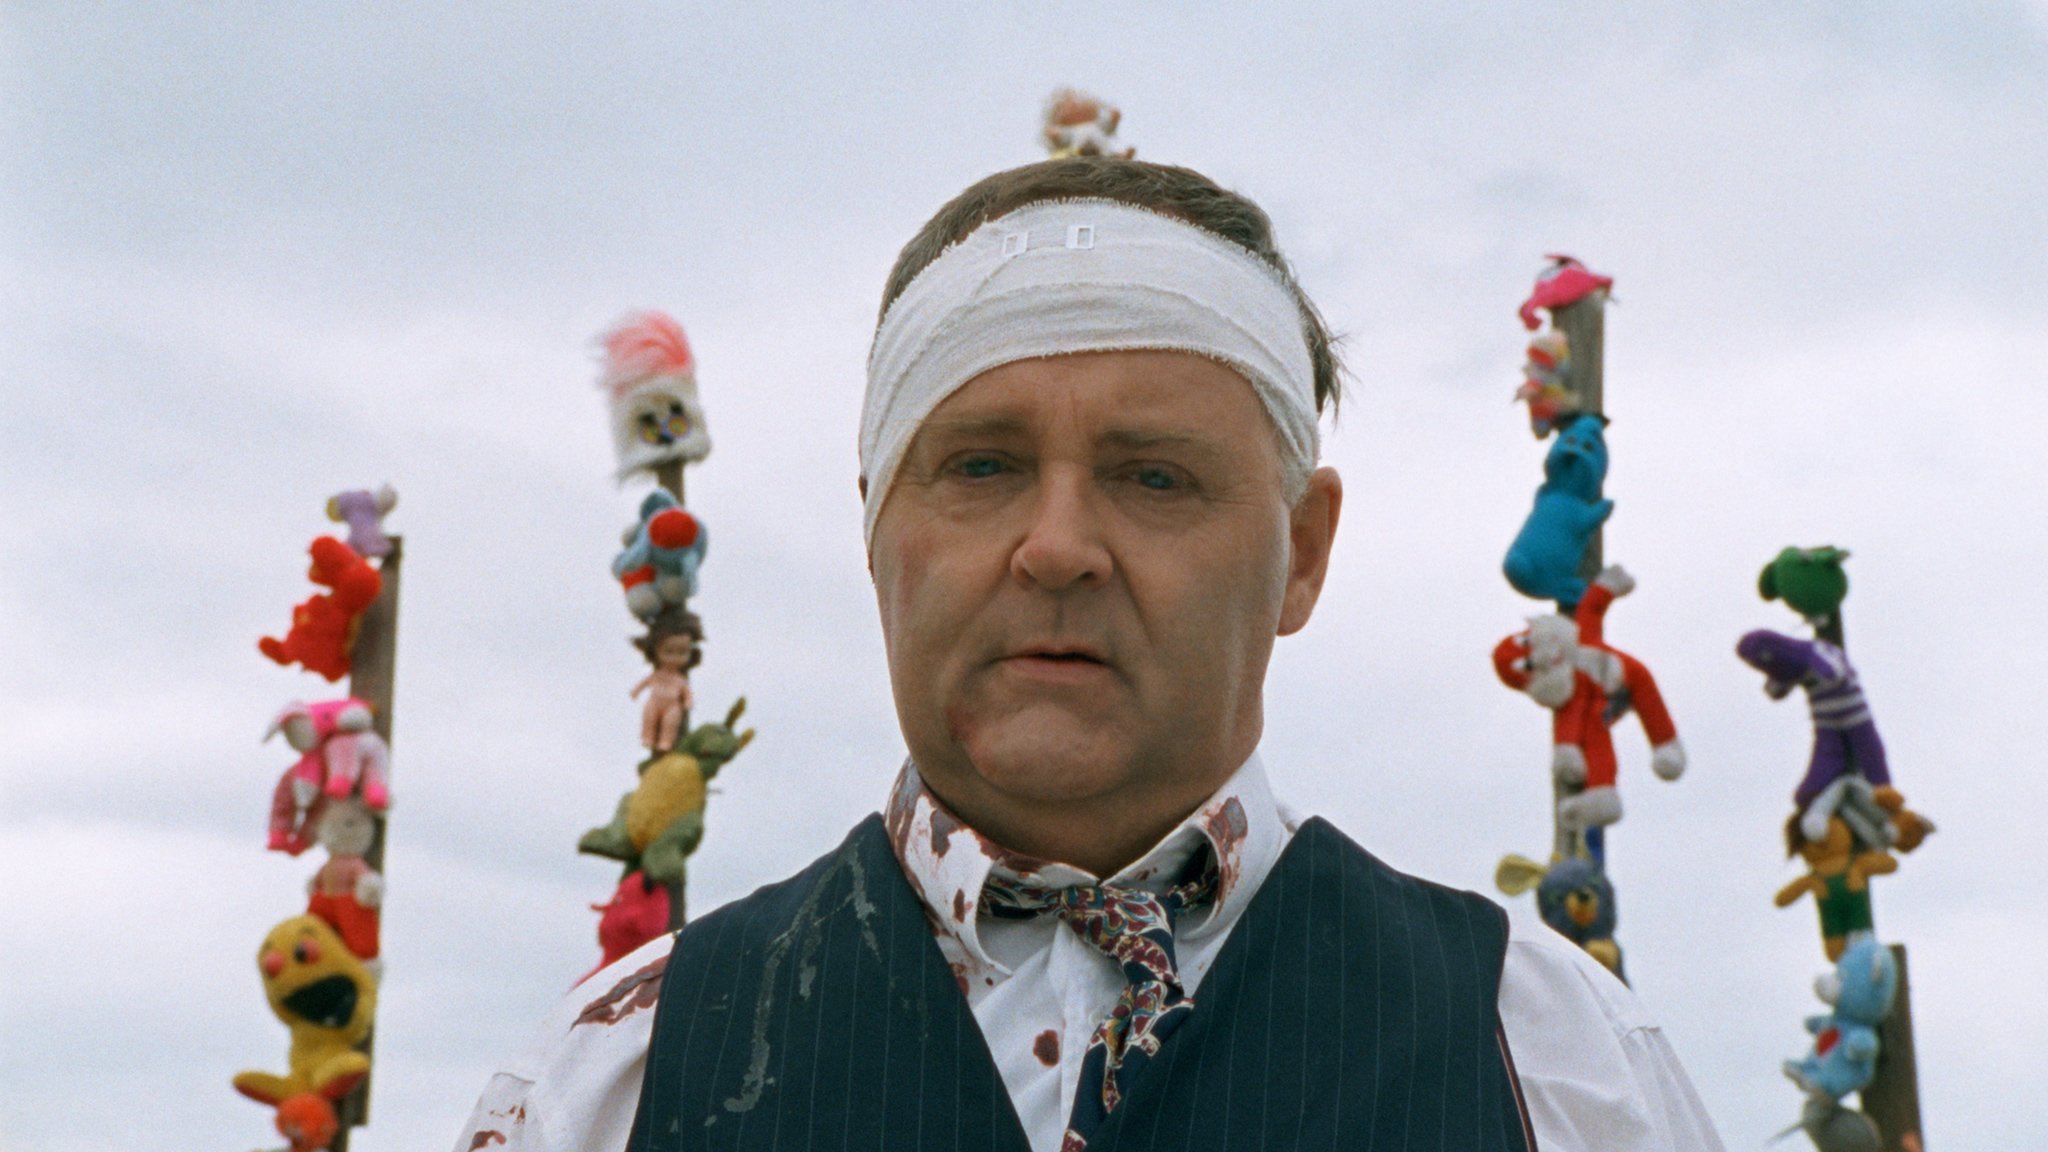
[
  {"x": 664, "y": 549},
  {"x": 1543, "y": 562},
  {"x": 1845, "y": 1045}
]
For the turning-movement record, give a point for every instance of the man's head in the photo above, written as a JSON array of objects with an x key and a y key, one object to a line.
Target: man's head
[{"x": 1083, "y": 554}]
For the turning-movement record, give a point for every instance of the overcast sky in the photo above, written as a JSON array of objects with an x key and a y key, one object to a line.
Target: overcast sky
[{"x": 254, "y": 257}]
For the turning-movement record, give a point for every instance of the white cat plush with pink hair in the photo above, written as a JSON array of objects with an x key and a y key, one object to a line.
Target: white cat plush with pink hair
[{"x": 650, "y": 377}]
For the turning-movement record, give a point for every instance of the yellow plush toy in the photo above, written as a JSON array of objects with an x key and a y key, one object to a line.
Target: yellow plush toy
[
  {"x": 327, "y": 998},
  {"x": 660, "y": 822}
]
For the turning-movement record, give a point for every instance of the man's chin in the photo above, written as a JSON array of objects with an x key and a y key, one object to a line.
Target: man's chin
[{"x": 1048, "y": 763}]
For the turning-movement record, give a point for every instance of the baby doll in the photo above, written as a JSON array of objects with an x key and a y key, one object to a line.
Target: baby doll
[{"x": 672, "y": 650}]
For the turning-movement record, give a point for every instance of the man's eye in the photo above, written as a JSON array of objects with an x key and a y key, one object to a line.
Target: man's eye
[
  {"x": 1157, "y": 479},
  {"x": 978, "y": 467}
]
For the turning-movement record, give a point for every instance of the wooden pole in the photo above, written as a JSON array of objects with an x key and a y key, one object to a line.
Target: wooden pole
[
  {"x": 1892, "y": 1098},
  {"x": 669, "y": 475},
  {"x": 1584, "y": 325},
  {"x": 373, "y": 670}
]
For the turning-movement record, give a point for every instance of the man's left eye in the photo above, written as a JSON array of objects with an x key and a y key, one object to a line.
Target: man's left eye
[
  {"x": 979, "y": 467},
  {"x": 1157, "y": 479}
]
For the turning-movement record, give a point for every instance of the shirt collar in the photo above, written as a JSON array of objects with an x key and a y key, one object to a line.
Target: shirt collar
[{"x": 947, "y": 862}]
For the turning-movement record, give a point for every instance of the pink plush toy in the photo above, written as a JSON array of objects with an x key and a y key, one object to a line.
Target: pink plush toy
[
  {"x": 340, "y": 755},
  {"x": 637, "y": 913},
  {"x": 1564, "y": 283}
]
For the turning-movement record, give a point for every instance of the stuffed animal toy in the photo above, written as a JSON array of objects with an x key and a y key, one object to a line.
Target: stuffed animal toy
[
  {"x": 1568, "y": 667},
  {"x": 658, "y": 568},
  {"x": 324, "y": 627},
  {"x": 1574, "y": 897},
  {"x": 1544, "y": 388},
  {"x": 340, "y": 755},
  {"x": 308, "y": 1122},
  {"x": 327, "y": 999},
  {"x": 1839, "y": 872},
  {"x": 1543, "y": 562},
  {"x": 346, "y": 892},
  {"x": 1077, "y": 124},
  {"x": 364, "y": 511},
  {"x": 1845, "y": 739},
  {"x": 637, "y": 913},
  {"x": 1564, "y": 283},
  {"x": 1845, "y": 1041},
  {"x": 660, "y": 823},
  {"x": 672, "y": 648},
  {"x": 650, "y": 374}
]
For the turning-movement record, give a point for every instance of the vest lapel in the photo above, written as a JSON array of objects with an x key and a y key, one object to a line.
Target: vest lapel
[{"x": 820, "y": 1014}]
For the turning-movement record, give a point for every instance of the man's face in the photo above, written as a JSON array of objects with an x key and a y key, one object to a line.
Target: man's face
[{"x": 1081, "y": 569}]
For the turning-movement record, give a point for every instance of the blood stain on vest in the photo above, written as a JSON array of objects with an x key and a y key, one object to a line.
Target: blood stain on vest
[
  {"x": 960, "y": 905},
  {"x": 485, "y": 1139},
  {"x": 637, "y": 991},
  {"x": 1047, "y": 1048}
]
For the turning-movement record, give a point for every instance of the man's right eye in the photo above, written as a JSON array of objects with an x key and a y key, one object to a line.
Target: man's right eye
[{"x": 978, "y": 467}]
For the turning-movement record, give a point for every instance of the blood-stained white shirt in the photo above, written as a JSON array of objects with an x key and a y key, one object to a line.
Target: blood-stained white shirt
[{"x": 1595, "y": 1069}]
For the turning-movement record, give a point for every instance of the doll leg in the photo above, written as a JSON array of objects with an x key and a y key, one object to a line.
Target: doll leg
[
  {"x": 343, "y": 754},
  {"x": 284, "y": 812},
  {"x": 671, "y": 727},
  {"x": 1866, "y": 754}
]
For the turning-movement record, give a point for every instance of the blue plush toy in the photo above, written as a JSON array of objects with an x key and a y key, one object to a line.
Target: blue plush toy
[
  {"x": 1574, "y": 897},
  {"x": 663, "y": 551},
  {"x": 1844, "y": 1055},
  {"x": 1543, "y": 562}
]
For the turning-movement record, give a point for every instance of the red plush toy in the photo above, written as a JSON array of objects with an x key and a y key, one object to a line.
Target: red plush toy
[
  {"x": 309, "y": 1122},
  {"x": 324, "y": 627},
  {"x": 638, "y": 912},
  {"x": 1564, "y": 283},
  {"x": 1569, "y": 668}
]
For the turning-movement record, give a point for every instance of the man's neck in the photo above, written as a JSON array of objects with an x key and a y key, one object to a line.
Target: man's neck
[{"x": 1099, "y": 835}]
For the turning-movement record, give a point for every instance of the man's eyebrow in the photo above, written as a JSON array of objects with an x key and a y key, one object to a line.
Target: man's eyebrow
[
  {"x": 974, "y": 427},
  {"x": 1153, "y": 438}
]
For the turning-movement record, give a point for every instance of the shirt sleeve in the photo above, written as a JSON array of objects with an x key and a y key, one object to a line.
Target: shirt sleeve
[
  {"x": 1596, "y": 1070},
  {"x": 577, "y": 1087}
]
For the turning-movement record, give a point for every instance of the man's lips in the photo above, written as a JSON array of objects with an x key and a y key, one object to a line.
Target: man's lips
[{"x": 1057, "y": 663}]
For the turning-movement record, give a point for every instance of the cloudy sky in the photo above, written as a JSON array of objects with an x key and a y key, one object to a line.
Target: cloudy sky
[{"x": 254, "y": 257}]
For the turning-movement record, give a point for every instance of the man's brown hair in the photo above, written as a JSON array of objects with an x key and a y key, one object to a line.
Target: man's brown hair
[{"x": 1182, "y": 193}]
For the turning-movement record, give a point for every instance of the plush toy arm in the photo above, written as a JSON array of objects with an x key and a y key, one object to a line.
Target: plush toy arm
[
  {"x": 1818, "y": 1024},
  {"x": 1777, "y": 689},
  {"x": 370, "y": 890},
  {"x": 1616, "y": 579},
  {"x": 1568, "y": 763},
  {"x": 1859, "y": 1044},
  {"x": 1667, "y": 760},
  {"x": 642, "y": 686},
  {"x": 1870, "y": 864},
  {"x": 1795, "y": 890}
]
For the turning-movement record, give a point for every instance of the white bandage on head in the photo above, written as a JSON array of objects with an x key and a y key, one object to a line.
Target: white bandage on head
[{"x": 1083, "y": 276}]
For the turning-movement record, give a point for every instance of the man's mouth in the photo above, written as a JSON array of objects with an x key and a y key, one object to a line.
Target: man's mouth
[{"x": 1058, "y": 661}]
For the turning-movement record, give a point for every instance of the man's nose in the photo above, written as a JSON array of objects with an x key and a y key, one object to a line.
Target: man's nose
[{"x": 1063, "y": 547}]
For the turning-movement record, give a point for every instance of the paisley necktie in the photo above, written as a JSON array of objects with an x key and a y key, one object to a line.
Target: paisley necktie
[{"x": 1134, "y": 928}]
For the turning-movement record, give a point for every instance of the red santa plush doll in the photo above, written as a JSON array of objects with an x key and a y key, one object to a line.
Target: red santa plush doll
[{"x": 1567, "y": 666}]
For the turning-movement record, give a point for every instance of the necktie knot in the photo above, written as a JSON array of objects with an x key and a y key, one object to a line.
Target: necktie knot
[{"x": 1134, "y": 928}]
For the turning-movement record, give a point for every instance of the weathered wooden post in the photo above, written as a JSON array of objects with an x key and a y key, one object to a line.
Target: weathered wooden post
[
  {"x": 669, "y": 475},
  {"x": 1583, "y": 324},
  {"x": 372, "y": 675},
  {"x": 1892, "y": 1098}
]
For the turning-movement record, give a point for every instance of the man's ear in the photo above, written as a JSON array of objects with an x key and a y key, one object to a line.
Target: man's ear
[{"x": 1312, "y": 528}]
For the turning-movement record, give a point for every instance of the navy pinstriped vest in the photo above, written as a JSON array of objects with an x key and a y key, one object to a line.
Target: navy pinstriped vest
[{"x": 1351, "y": 1007}]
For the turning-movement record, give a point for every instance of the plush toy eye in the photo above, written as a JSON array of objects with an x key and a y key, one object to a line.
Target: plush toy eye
[
  {"x": 649, "y": 428},
  {"x": 678, "y": 423},
  {"x": 306, "y": 952}
]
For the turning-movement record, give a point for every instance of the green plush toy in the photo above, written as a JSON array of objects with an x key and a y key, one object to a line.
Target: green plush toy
[
  {"x": 659, "y": 823},
  {"x": 1811, "y": 582}
]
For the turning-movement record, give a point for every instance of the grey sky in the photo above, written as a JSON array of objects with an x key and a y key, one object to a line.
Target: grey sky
[{"x": 257, "y": 256}]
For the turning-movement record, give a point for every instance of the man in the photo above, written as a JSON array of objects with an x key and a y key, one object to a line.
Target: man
[{"x": 1089, "y": 470}]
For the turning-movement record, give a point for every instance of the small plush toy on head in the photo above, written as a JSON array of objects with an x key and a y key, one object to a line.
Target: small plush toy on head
[
  {"x": 326, "y": 998},
  {"x": 364, "y": 511},
  {"x": 664, "y": 549},
  {"x": 650, "y": 375},
  {"x": 1543, "y": 561},
  {"x": 1838, "y": 877},
  {"x": 1811, "y": 582},
  {"x": 1845, "y": 1041},
  {"x": 342, "y": 756},
  {"x": 1564, "y": 283},
  {"x": 323, "y": 628},
  {"x": 1077, "y": 124},
  {"x": 636, "y": 913}
]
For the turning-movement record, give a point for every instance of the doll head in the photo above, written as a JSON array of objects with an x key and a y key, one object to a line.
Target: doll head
[
  {"x": 1552, "y": 641},
  {"x": 672, "y": 641},
  {"x": 1809, "y": 580},
  {"x": 346, "y": 827},
  {"x": 650, "y": 376}
]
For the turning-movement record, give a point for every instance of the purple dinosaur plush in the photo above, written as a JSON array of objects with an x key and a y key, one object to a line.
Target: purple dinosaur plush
[
  {"x": 1845, "y": 739},
  {"x": 363, "y": 511}
]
